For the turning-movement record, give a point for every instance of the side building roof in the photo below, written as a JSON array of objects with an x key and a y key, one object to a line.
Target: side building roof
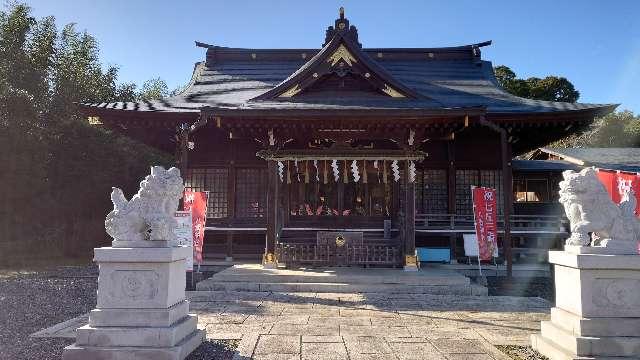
[{"x": 623, "y": 159}]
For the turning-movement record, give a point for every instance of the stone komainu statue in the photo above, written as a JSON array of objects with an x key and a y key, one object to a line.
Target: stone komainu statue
[
  {"x": 595, "y": 219},
  {"x": 149, "y": 215}
]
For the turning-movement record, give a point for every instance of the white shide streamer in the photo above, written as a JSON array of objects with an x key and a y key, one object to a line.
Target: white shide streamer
[
  {"x": 315, "y": 164},
  {"x": 396, "y": 170},
  {"x": 281, "y": 171},
  {"x": 336, "y": 171},
  {"x": 354, "y": 170},
  {"x": 412, "y": 172}
]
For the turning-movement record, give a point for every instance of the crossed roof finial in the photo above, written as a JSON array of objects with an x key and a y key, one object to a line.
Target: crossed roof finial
[{"x": 341, "y": 12}]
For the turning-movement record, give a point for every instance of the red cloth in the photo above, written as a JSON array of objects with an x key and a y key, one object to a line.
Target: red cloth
[
  {"x": 485, "y": 212},
  {"x": 196, "y": 202},
  {"x": 616, "y": 183}
]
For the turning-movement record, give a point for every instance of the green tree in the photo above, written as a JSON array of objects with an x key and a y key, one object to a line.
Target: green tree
[
  {"x": 58, "y": 167},
  {"x": 550, "y": 88},
  {"x": 619, "y": 129},
  {"x": 153, "y": 89}
]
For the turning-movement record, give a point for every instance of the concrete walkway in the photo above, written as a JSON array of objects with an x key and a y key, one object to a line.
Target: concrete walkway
[{"x": 367, "y": 326}]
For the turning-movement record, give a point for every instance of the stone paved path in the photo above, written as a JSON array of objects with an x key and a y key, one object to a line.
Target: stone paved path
[{"x": 368, "y": 326}]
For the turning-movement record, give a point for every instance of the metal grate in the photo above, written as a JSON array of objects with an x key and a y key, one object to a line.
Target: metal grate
[
  {"x": 213, "y": 180},
  {"x": 251, "y": 197}
]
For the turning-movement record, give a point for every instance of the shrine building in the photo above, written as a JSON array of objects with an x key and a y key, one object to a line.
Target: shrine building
[{"x": 380, "y": 144}]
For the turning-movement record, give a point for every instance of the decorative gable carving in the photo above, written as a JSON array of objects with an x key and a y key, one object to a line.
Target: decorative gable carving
[{"x": 341, "y": 55}]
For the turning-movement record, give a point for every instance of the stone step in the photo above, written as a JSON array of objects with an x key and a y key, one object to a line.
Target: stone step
[
  {"x": 136, "y": 336},
  {"x": 456, "y": 289},
  {"x": 580, "y": 326},
  {"x": 178, "y": 352},
  {"x": 349, "y": 279},
  {"x": 591, "y": 346}
]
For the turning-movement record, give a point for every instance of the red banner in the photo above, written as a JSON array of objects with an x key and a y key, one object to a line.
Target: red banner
[
  {"x": 485, "y": 212},
  {"x": 617, "y": 183},
  {"x": 196, "y": 202}
]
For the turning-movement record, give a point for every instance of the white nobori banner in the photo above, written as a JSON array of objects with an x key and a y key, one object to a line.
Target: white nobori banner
[{"x": 184, "y": 234}]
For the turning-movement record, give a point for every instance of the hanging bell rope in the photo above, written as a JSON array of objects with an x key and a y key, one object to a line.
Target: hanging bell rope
[
  {"x": 364, "y": 172},
  {"x": 384, "y": 172},
  {"x": 306, "y": 171},
  {"x": 345, "y": 173}
]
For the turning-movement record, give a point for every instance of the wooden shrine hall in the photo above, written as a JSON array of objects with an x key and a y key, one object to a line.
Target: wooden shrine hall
[{"x": 343, "y": 155}]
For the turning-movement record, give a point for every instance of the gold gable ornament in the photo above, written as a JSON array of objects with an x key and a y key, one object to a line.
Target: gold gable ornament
[
  {"x": 291, "y": 92},
  {"x": 392, "y": 92},
  {"x": 341, "y": 53}
]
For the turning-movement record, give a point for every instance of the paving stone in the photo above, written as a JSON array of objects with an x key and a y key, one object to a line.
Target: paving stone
[
  {"x": 226, "y": 319},
  {"x": 415, "y": 351},
  {"x": 324, "y": 351},
  {"x": 367, "y": 345},
  {"x": 341, "y": 320},
  {"x": 293, "y": 319},
  {"x": 278, "y": 344},
  {"x": 401, "y": 339},
  {"x": 451, "y": 346},
  {"x": 292, "y": 329},
  {"x": 453, "y": 334},
  {"x": 275, "y": 357},
  {"x": 322, "y": 339},
  {"x": 468, "y": 357},
  {"x": 372, "y": 356}
]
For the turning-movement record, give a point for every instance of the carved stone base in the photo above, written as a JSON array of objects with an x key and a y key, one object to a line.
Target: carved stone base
[
  {"x": 141, "y": 312},
  {"x": 597, "y": 313}
]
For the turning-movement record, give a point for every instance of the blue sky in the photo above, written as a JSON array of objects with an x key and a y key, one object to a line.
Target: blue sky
[{"x": 595, "y": 44}]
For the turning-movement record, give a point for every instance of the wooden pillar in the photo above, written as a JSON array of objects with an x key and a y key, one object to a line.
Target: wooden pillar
[
  {"x": 182, "y": 148},
  {"x": 451, "y": 187},
  {"x": 410, "y": 263},
  {"x": 507, "y": 199},
  {"x": 269, "y": 259}
]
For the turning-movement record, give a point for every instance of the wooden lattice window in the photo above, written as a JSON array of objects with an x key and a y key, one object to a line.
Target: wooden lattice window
[
  {"x": 466, "y": 178},
  {"x": 493, "y": 179},
  {"x": 251, "y": 193},
  {"x": 213, "y": 180},
  {"x": 434, "y": 191}
]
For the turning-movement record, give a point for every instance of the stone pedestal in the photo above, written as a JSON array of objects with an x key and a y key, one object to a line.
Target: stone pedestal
[
  {"x": 597, "y": 313},
  {"x": 142, "y": 311}
]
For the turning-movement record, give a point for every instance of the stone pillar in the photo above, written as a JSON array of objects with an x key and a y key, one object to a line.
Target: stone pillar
[
  {"x": 597, "y": 313},
  {"x": 142, "y": 311}
]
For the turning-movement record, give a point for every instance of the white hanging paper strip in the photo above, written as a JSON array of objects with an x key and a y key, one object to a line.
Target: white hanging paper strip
[
  {"x": 375, "y": 164},
  {"x": 281, "y": 171},
  {"x": 412, "y": 172},
  {"x": 354, "y": 170},
  {"x": 297, "y": 170},
  {"x": 315, "y": 164},
  {"x": 336, "y": 171},
  {"x": 396, "y": 170}
]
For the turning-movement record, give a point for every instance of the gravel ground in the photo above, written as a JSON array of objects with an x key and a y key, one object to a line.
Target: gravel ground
[
  {"x": 34, "y": 300},
  {"x": 31, "y": 301},
  {"x": 521, "y": 352}
]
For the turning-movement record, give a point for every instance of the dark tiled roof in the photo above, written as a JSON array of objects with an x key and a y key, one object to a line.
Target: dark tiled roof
[
  {"x": 446, "y": 77},
  {"x": 542, "y": 165},
  {"x": 623, "y": 159}
]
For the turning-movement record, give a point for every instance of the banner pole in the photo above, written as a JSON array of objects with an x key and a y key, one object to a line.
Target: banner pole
[{"x": 475, "y": 224}]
